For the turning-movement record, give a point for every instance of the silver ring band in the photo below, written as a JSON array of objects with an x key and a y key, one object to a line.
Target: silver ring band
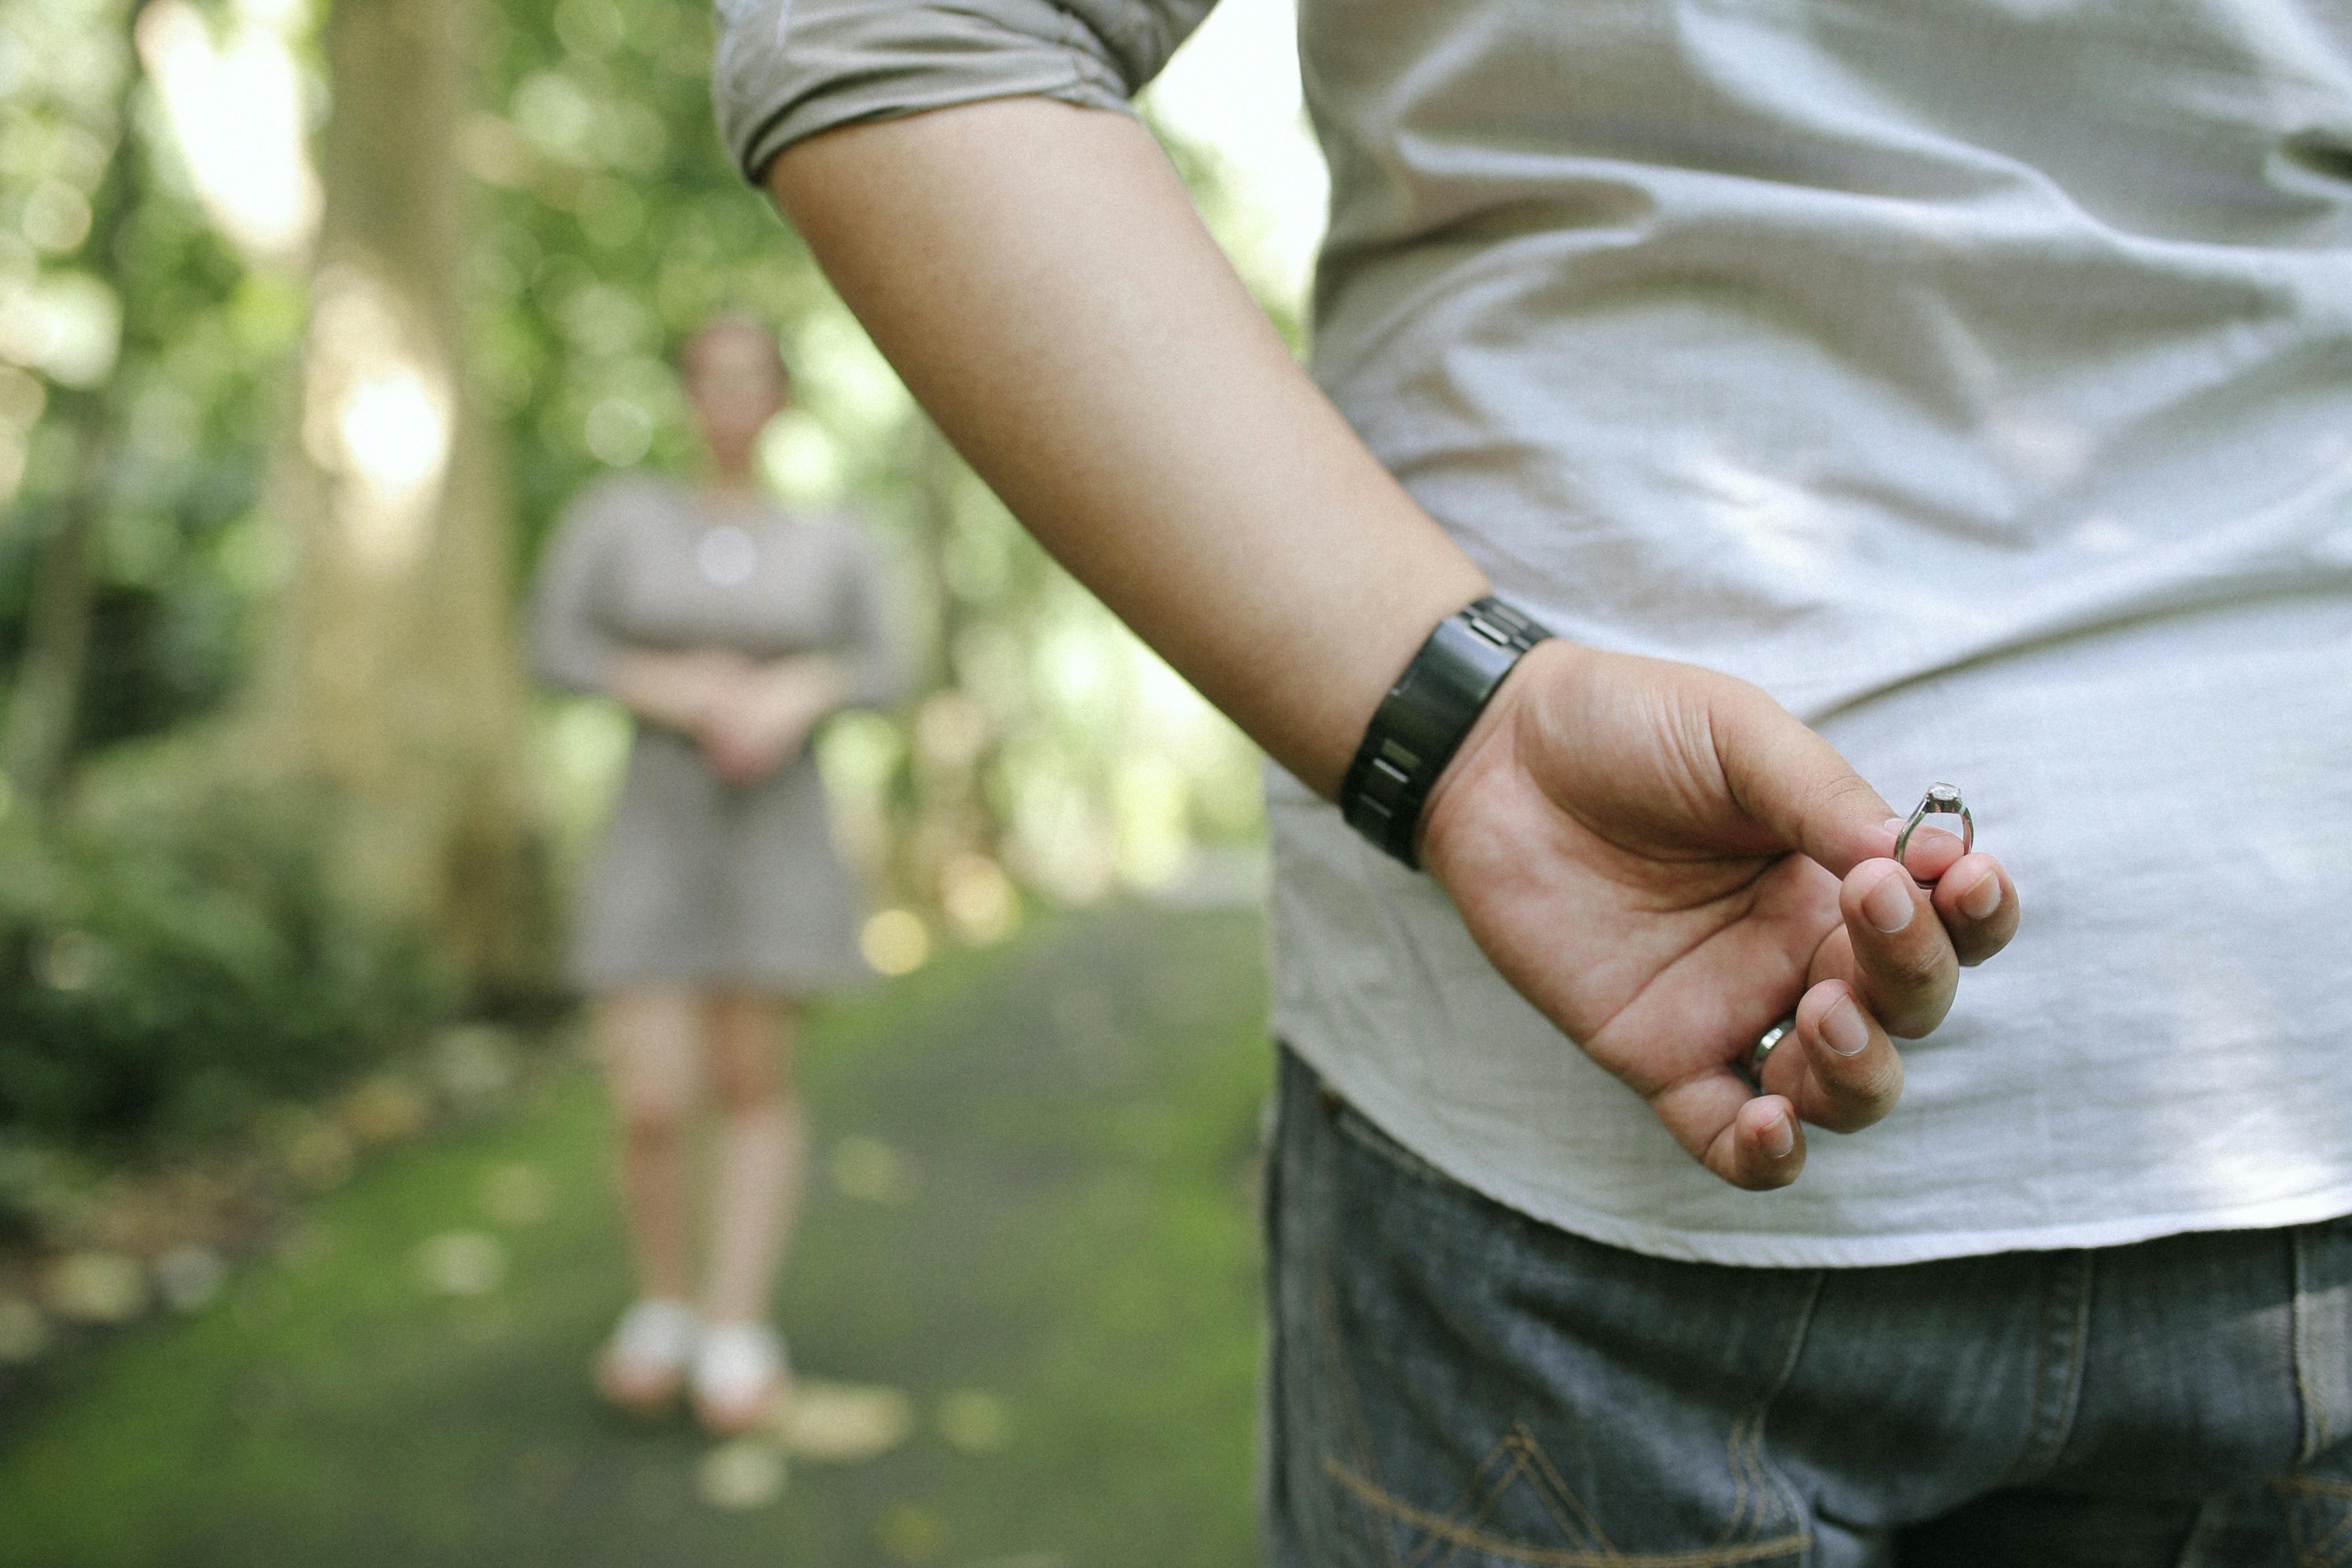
[
  {"x": 1940, "y": 799},
  {"x": 1769, "y": 1041}
]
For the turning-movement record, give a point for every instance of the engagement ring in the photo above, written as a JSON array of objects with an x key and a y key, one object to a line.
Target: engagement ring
[{"x": 1941, "y": 798}]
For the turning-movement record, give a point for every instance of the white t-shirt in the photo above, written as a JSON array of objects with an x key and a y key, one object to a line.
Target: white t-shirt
[{"x": 1974, "y": 375}]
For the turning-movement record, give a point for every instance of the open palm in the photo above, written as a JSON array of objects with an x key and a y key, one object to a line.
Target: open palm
[{"x": 1665, "y": 862}]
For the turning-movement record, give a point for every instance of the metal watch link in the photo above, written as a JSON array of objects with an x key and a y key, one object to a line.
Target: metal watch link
[{"x": 1421, "y": 723}]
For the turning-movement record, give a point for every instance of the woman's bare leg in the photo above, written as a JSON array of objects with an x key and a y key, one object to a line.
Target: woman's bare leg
[
  {"x": 653, "y": 1039},
  {"x": 762, "y": 1151}
]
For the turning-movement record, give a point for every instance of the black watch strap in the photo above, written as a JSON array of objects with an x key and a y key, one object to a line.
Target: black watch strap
[{"x": 1421, "y": 723}]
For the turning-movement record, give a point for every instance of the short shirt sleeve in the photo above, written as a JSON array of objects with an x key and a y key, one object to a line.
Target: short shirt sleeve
[{"x": 786, "y": 70}]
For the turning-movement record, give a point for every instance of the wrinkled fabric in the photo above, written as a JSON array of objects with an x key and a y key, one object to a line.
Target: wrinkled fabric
[
  {"x": 1975, "y": 376},
  {"x": 786, "y": 70}
]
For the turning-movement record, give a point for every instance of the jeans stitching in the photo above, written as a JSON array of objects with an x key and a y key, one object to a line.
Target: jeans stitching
[
  {"x": 2058, "y": 1356},
  {"x": 1747, "y": 1486},
  {"x": 1341, "y": 1380},
  {"x": 1342, "y": 1116},
  {"x": 2315, "y": 1422},
  {"x": 1344, "y": 1393},
  {"x": 1494, "y": 1495},
  {"x": 1474, "y": 1525},
  {"x": 1556, "y": 1491},
  {"x": 1351, "y": 1124},
  {"x": 2321, "y": 1347},
  {"x": 2328, "y": 1550},
  {"x": 1751, "y": 1476},
  {"x": 1462, "y": 1537}
]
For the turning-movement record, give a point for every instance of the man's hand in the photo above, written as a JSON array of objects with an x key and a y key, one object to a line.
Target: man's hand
[
  {"x": 764, "y": 717},
  {"x": 1665, "y": 862}
]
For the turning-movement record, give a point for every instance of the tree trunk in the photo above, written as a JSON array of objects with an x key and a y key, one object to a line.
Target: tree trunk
[
  {"x": 47, "y": 700},
  {"x": 392, "y": 677},
  {"x": 37, "y": 747}
]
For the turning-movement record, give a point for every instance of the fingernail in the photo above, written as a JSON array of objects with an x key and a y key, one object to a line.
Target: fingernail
[
  {"x": 1983, "y": 899},
  {"x": 1843, "y": 1029},
  {"x": 1888, "y": 905},
  {"x": 1779, "y": 1138}
]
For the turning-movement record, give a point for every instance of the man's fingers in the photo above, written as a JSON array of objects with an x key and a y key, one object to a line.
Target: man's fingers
[
  {"x": 1749, "y": 1140},
  {"x": 1978, "y": 904},
  {"x": 1763, "y": 1148},
  {"x": 1794, "y": 783},
  {"x": 1904, "y": 969},
  {"x": 1931, "y": 851},
  {"x": 1841, "y": 1071}
]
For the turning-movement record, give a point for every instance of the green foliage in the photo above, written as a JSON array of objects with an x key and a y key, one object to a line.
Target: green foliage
[
  {"x": 138, "y": 328},
  {"x": 1044, "y": 740},
  {"x": 612, "y": 226},
  {"x": 166, "y": 976}
]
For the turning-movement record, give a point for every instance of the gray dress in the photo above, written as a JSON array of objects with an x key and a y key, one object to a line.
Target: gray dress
[{"x": 700, "y": 882}]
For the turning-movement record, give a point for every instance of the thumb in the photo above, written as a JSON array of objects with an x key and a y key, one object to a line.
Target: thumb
[{"x": 1795, "y": 783}]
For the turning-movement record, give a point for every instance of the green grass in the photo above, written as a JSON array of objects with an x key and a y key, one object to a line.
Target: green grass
[{"x": 1078, "y": 1114}]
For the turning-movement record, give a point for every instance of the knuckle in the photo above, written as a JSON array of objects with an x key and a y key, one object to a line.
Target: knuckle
[
  {"x": 1874, "y": 1078},
  {"x": 1912, "y": 967},
  {"x": 1918, "y": 1018},
  {"x": 1750, "y": 1172},
  {"x": 1861, "y": 1108}
]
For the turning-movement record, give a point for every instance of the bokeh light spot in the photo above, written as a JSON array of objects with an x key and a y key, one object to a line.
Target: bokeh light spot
[
  {"x": 974, "y": 1421},
  {"x": 870, "y": 1170},
  {"x": 895, "y": 942},
  {"x": 462, "y": 1263},
  {"x": 744, "y": 1474},
  {"x": 618, "y": 433}
]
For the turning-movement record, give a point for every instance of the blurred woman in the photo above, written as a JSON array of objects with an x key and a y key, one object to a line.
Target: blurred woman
[{"x": 729, "y": 627}]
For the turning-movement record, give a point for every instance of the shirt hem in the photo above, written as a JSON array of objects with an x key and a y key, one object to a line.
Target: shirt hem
[
  {"x": 1749, "y": 1250},
  {"x": 1803, "y": 1249}
]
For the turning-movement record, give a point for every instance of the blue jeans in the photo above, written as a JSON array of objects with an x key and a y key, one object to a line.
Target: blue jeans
[{"x": 1452, "y": 1384}]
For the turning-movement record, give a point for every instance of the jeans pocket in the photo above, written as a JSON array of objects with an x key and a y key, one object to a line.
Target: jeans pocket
[
  {"x": 2319, "y": 1519},
  {"x": 1462, "y": 1385},
  {"x": 1520, "y": 1509}
]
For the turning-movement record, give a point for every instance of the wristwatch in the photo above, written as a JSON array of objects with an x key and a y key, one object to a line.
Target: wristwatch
[{"x": 1419, "y": 724}]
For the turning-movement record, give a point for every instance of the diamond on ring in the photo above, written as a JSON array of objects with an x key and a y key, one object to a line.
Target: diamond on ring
[{"x": 1940, "y": 799}]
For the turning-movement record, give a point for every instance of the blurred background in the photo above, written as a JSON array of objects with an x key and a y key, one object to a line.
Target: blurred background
[{"x": 313, "y": 316}]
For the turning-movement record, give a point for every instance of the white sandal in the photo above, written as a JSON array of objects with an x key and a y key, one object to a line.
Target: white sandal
[
  {"x": 739, "y": 1374},
  {"x": 644, "y": 1363}
]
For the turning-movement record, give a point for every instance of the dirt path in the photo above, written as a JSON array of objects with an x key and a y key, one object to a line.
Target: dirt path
[{"x": 1027, "y": 1276}]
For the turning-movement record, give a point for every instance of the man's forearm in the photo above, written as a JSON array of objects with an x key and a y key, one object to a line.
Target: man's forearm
[{"x": 1039, "y": 279}]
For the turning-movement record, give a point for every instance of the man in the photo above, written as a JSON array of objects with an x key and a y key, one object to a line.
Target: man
[{"x": 1972, "y": 376}]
